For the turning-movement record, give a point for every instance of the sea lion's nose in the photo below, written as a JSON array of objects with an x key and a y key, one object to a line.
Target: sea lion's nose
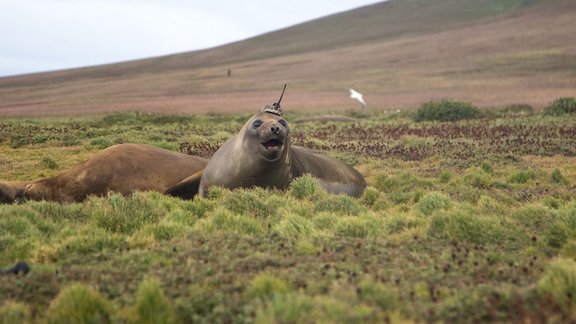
[{"x": 275, "y": 129}]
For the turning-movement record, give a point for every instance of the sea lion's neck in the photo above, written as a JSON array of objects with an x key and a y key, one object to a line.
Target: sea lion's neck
[
  {"x": 264, "y": 173},
  {"x": 256, "y": 170}
]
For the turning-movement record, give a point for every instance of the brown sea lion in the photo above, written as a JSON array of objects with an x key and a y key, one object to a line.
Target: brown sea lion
[
  {"x": 260, "y": 155},
  {"x": 122, "y": 168}
]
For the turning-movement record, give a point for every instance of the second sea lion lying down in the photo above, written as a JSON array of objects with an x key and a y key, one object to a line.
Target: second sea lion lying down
[{"x": 122, "y": 168}]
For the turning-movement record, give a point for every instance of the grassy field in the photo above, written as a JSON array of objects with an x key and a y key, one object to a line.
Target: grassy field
[{"x": 462, "y": 221}]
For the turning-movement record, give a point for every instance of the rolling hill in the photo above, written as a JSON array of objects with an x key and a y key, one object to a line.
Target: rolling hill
[{"x": 398, "y": 53}]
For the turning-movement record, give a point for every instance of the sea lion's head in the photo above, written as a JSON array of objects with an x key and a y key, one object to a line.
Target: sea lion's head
[
  {"x": 269, "y": 131},
  {"x": 270, "y": 134}
]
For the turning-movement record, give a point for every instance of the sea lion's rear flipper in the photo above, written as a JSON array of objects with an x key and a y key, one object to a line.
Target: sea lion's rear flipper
[
  {"x": 11, "y": 192},
  {"x": 187, "y": 188},
  {"x": 333, "y": 175}
]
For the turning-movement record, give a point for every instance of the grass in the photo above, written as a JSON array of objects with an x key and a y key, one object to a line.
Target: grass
[{"x": 462, "y": 221}]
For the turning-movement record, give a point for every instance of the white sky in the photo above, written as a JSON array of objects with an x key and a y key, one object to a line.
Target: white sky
[{"x": 42, "y": 35}]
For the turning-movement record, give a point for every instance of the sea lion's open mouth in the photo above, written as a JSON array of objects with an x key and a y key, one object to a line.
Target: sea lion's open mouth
[{"x": 273, "y": 144}]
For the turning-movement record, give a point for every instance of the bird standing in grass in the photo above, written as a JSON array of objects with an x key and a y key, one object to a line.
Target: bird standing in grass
[{"x": 358, "y": 96}]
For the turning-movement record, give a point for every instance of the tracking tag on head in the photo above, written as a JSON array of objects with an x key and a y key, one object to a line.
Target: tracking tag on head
[{"x": 275, "y": 108}]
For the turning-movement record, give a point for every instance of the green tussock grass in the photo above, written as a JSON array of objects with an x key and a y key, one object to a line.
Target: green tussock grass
[
  {"x": 463, "y": 221},
  {"x": 151, "y": 306},
  {"x": 13, "y": 312},
  {"x": 561, "y": 106},
  {"x": 78, "y": 303},
  {"x": 446, "y": 110}
]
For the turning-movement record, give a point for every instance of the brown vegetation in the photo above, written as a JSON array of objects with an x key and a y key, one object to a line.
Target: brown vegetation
[{"x": 399, "y": 54}]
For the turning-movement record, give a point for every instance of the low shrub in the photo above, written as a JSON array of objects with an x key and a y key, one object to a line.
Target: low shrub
[
  {"x": 305, "y": 187},
  {"x": 39, "y": 139},
  {"x": 490, "y": 206},
  {"x": 346, "y": 309},
  {"x": 69, "y": 140},
  {"x": 216, "y": 192},
  {"x": 460, "y": 226},
  {"x": 325, "y": 221},
  {"x": 377, "y": 294},
  {"x": 559, "y": 282},
  {"x": 536, "y": 217},
  {"x": 13, "y": 312},
  {"x": 395, "y": 223},
  {"x": 556, "y": 235},
  {"x": 522, "y": 176},
  {"x": 558, "y": 178},
  {"x": 339, "y": 204},
  {"x": 198, "y": 207},
  {"x": 13, "y": 248},
  {"x": 446, "y": 110},
  {"x": 126, "y": 215},
  {"x": 79, "y": 303},
  {"x": 563, "y": 229},
  {"x": 90, "y": 240},
  {"x": 569, "y": 250},
  {"x": 293, "y": 226},
  {"x": 202, "y": 305},
  {"x": 247, "y": 202},
  {"x": 49, "y": 163},
  {"x": 477, "y": 178},
  {"x": 16, "y": 237},
  {"x": 353, "y": 227},
  {"x": 101, "y": 143},
  {"x": 224, "y": 220},
  {"x": 165, "y": 230},
  {"x": 370, "y": 196},
  {"x": 265, "y": 286},
  {"x": 18, "y": 140},
  {"x": 401, "y": 182},
  {"x": 445, "y": 177},
  {"x": 433, "y": 201},
  {"x": 57, "y": 212},
  {"x": 152, "y": 306},
  {"x": 561, "y": 106},
  {"x": 285, "y": 308},
  {"x": 567, "y": 216},
  {"x": 487, "y": 167}
]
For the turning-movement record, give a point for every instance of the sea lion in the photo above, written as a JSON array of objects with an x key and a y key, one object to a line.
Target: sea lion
[
  {"x": 122, "y": 168},
  {"x": 261, "y": 155}
]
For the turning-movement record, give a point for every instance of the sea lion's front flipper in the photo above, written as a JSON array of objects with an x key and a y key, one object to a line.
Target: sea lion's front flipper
[{"x": 187, "y": 188}]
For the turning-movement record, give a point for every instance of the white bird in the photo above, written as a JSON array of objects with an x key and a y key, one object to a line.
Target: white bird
[{"x": 358, "y": 96}]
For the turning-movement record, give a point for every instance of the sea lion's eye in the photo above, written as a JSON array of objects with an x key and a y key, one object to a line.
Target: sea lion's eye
[
  {"x": 257, "y": 123},
  {"x": 283, "y": 122}
]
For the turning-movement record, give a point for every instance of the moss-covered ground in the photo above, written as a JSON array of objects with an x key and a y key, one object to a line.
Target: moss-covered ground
[{"x": 462, "y": 222}]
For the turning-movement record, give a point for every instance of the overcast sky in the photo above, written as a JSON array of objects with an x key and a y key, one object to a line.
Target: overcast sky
[{"x": 43, "y": 35}]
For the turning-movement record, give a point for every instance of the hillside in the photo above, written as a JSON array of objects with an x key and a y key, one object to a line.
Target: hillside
[{"x": 398, "y": 53}]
